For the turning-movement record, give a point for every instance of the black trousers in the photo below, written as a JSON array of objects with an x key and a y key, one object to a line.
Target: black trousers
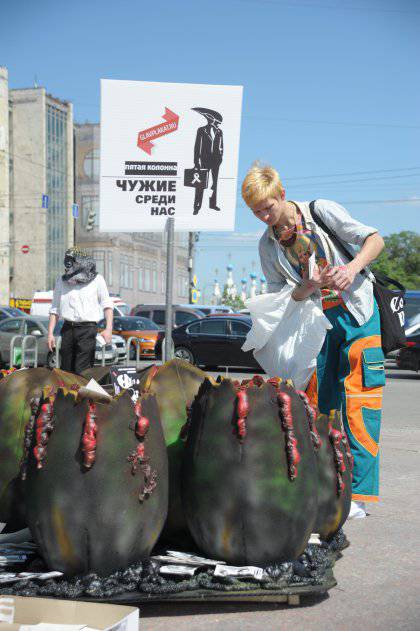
[
  {"x": 198, "y": 198},
  {"x": 78, "y": 343}
]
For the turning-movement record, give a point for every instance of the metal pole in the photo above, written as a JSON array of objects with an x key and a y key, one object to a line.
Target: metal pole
[
  {"x": 191, "y": 243},
  {"x": 170, "y": 226}
]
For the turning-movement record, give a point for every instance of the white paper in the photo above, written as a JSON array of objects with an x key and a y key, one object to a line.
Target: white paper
[
  {"x": 178, "y": 570},
  {"x": 100, "y": 340},
  {"x": 247, "y": 571},
  {"x": 192, "y": 558},
  {"x": 311, "y": 265},
  {"x": 94, "y": 386},
  {"x": 2, "y": 525}
]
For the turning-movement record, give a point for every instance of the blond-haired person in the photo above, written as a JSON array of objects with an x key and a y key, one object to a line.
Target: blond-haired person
[{"x": 344, "y": 378}]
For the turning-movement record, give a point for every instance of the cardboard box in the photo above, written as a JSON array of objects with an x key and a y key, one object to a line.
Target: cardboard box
[{"x": 21, "y": 613}]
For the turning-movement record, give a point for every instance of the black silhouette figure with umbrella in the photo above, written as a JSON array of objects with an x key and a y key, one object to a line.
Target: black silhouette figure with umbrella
[{"x": 208, "y": 154}]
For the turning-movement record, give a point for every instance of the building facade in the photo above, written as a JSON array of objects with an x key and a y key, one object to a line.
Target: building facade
[
  {"x": 41, "y": 189},
  {"x": 134, "y": 265},
  {"x": 4, "y": 189}
]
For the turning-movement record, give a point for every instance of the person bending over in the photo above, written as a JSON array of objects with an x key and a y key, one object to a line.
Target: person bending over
[{"x": 350, "y": 373}]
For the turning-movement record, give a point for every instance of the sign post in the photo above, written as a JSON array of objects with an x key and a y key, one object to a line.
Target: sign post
[
  {"x": 167, "y": 355},
  {"x": 169, "y": 161}
]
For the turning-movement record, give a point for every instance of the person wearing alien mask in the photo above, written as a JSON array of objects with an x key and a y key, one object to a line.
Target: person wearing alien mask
[{"x": 81, "y": 298}]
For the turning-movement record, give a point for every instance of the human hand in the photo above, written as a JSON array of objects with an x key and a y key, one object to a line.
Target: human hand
[
  {"x": 51, "y": 342},
  {"x": 342, "y": 277},
  {"x": 320, "y": 277},
  {"x": 107, "y": 335}
]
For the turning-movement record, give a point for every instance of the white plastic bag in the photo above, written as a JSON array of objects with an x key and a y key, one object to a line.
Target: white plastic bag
[{"x": 286, "y": 335}]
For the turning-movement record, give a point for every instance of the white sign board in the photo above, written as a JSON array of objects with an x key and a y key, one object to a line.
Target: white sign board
[{"x": 168, "y": 150}]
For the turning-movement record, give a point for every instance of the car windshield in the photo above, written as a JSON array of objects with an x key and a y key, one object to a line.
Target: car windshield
[
  {"x": 13, "y": 312},
  {"x": 134, "y": 324}
]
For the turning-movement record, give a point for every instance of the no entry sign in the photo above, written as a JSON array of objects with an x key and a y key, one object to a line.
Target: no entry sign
[{"x": 24, "y": 249}]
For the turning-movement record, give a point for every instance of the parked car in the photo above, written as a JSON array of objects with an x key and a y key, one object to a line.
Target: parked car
[
  {"x": 213, "y": 341},
  {"x": 144, "y": 329},
  {"x": 408, "y": 358},
  {"x": 38, "y": 326},
  {"x": 10, "y": 312},
  {"x": 412, "y": 305},
  {"x": 181, "y": 315},
  {"x": 209, "y": 309},
  {"x": 26, "y": 325}
]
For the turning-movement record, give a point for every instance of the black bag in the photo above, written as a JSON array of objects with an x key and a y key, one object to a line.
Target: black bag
[
  {"x": 198, "y": 178},
  {"x": 390, "y": 301}
]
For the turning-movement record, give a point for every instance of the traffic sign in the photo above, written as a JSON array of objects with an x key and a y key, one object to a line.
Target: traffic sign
[
  {"x": 194, "y": 296},
  {"x": 45, "y": 200},
  {"x": 24, "y": 249},
  {"x": 75, "y": 210}
]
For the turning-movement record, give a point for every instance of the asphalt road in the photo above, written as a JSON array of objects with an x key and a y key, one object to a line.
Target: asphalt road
[{"x": 378, "y": 576}]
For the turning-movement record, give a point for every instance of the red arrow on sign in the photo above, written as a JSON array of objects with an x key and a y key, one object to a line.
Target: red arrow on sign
[
  {"x": 24, "y": 249},
  {"x": 145, "y": 137}
]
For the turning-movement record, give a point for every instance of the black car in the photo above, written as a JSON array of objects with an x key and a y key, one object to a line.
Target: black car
[
  {"x": 213, "y": 341},
  {"x": 408, "y": 358}
]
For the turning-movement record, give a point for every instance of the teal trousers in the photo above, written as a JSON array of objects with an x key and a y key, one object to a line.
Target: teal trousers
[{"x": 349, "y": 377}]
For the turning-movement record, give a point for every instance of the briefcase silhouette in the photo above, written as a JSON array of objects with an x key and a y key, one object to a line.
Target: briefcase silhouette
[{"x": 197, "y": 178}]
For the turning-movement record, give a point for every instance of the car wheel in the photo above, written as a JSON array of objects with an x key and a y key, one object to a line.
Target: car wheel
[
  {"x": 184, "y": 353},
  {"x": 51, "y": 360}
]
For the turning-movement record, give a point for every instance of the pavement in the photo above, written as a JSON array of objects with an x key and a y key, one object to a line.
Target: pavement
[{"x": 378, "y": 575}]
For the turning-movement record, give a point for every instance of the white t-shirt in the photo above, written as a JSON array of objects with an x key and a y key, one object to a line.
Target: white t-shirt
[{"x": 81, "y": 302}]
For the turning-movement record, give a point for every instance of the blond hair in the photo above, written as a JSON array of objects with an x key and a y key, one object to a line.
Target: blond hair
[{"x": 261, "y": 182}]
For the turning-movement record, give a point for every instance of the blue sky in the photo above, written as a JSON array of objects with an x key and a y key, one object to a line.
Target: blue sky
[{"x": 331, "y": 89}]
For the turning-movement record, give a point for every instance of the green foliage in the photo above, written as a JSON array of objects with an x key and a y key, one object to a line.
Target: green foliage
[
  {"x": 400, "y": 258},
  {"x": 236, "y": 303}
]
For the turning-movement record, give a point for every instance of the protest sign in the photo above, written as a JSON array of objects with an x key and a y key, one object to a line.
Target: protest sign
[{"x": 168, "y": 150}]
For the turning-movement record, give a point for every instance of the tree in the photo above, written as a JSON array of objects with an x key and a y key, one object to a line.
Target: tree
[
  {"x": 236, "y": 303},
  {"x": 400, "y": 258}
]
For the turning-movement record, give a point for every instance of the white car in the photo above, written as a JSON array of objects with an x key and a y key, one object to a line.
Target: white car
[{"x": 119, "y": 343}]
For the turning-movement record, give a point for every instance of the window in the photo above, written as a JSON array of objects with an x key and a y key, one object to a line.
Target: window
[
  {"x": 57, "y": 213},
  {"x": 154, "y": 276},
  {"x": 159, "y": 316},
  {"x": 239, "y": 328},
  {"x": 213, "y": 327},
  {"x": 163, "y": 281},
  {"x": 182, "y": 317},
  {"x": 194, "y": 328},
  {"x": 182, "y": 285},
  {"x": 140, "y": 275},
  {"x": 99, "y": 258},
  {"x": 125, "y": 272},
  {"x": 143, "y": 314},
  {"x": 91, "y": 164},
  {"x": 109, "y": 273},
  {"x": 12, "y": 326},
  {"x": 147, "y": 275},
  {"x": 31, "y": 325}
]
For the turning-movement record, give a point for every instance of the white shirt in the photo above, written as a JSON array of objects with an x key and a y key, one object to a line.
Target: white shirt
[
  {"x": 277, "y": 270},
  {"x": 81, "y": 302}
]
